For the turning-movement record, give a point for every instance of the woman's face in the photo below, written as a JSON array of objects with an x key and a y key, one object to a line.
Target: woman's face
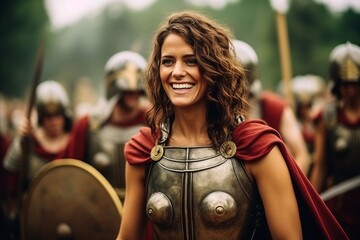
[{"x": 180, "y": 73}]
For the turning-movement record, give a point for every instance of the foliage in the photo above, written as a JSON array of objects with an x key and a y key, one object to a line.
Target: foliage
[
  {"x": 21, "y": 24},
  {"x": 83, "y": 48}
]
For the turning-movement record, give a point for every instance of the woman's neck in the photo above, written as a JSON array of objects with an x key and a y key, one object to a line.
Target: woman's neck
[{"x": 189, "y": 128}]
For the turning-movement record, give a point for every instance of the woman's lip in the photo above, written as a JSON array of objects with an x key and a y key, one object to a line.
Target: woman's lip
[{"x": 181, "y": 90}]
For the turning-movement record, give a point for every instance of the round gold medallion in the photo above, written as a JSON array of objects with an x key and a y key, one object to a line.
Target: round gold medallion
[
  {"x": 157, "y": 152},
  {"x": 228, "y": 149}
]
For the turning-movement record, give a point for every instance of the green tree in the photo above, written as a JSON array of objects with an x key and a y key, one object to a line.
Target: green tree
[{"x": 21, "y": 24}]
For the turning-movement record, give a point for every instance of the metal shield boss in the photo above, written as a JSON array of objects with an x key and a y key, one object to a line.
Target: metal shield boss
[{"x": 69, "y": 199}]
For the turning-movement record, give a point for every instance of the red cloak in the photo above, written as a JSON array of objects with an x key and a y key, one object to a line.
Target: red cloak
[
  {"x": 254, "y": 139},
  {"x": 272, "y": 108},
  {"x": 76, "y": 147}
]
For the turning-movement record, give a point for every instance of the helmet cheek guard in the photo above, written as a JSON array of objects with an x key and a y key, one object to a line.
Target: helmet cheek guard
[{"x": 125, "y": 72}]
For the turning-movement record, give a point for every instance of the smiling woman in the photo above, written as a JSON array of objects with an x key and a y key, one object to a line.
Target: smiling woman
[{"x": 201, "y": 170}]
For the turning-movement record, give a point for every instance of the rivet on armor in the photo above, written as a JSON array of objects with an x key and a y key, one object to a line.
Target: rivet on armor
[
  {"x": 150, "y": 211},
  {"x": 64, "y": 231},
  {"x": 157, "y": 152},
  {"x": 218, "y": 208},
  {"x": 228, "y": 149}
]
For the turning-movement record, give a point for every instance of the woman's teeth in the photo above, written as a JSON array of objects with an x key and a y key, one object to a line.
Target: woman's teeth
[{"x": 182, "y": 85}]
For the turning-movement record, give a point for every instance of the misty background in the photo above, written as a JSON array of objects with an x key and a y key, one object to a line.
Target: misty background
[{"x": 81, "y": 35}]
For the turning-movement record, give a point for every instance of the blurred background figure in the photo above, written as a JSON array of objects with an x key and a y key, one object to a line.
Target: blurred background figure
[
  {"x": 37, "y": 143},
  {"x": 11, "y": 115},
  {"x": 49, "y": 136},
  {"x": 272, "y": 108},
  {"x": 98, "y": 138},
  {"x": 336, "y": 173},
  {"x": 309, "y": 93}
]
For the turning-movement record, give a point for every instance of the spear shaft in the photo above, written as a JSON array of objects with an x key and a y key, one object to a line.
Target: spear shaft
[{"x": 26, "y": 141}]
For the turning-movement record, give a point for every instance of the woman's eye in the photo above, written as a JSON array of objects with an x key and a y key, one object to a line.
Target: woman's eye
[
  {"x": 191, "y": 61},
  {"x": 166, "y": 61}
]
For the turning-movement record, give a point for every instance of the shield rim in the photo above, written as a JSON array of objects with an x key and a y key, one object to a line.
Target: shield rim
[{"x": 66, "y": 162}]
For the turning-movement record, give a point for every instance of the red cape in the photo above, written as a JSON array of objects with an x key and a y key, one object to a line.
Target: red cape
[
  {"x": 254, "y": 140},
  {"x": 272, "y": 108},
  {"x": 76, "y": 147}
]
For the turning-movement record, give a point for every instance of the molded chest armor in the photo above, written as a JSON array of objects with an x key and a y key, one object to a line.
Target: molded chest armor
[
  {"x": 196, "y": 193},
  {"x": 106, "y": 153},
  {"x": 342, "y": 148}
]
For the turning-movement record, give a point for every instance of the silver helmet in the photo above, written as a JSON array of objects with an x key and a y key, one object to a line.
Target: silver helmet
[
  {"x": 124, "y": 72},
  {"x": 344, "y": 65},
  {"x": 52, "y": 99},
  {"x": 249, "y": 60}
]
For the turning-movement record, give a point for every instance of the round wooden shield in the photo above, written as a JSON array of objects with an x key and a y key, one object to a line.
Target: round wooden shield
[{"x": 69, "y": 199}]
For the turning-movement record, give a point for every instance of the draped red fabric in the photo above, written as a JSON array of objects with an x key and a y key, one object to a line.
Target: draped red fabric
[
  {"x": 138, "y": 149},
  {"x": 77, "y": 142},
  {"x": 254, "y": 139},
  {"x": 272, "y": 108}
]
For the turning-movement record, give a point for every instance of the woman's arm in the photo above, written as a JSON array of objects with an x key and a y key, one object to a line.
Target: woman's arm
[
  {"x": 276, "y": 190},
  {"x": 133, "y": 219}
]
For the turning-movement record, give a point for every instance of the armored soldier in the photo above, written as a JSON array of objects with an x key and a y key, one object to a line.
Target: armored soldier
[
  {"x": 50, "y": 137},
  {"x": 337, "y": 148},
  {"x": 272, "y": 108},
  {"x": 99, "y": 137},
  {"x": 36, "y": 146}
]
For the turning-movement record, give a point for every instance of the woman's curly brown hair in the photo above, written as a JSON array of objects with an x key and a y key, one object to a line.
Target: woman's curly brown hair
[{"x": 227, "y": 84}]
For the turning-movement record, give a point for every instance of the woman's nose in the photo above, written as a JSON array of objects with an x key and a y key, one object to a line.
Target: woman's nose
[{"x": 179, "y": 70}]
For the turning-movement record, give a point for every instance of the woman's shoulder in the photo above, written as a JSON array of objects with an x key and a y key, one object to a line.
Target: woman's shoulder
[
  {"x": 254, "y": 127},
  {"x": 254, "y": 139}
]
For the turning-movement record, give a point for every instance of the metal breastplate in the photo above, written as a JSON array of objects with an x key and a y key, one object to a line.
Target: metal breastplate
[
  {"x": 343, "y": 150},
  {"x": 196, "y": 193},
  {"x": 106, "y": 153}
]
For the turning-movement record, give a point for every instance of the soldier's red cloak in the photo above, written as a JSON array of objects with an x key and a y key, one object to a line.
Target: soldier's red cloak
[
  {"x": 254, "y": 140},
  {"x": 272, "y": 108},
  {"x": 76, "y": 147}
]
